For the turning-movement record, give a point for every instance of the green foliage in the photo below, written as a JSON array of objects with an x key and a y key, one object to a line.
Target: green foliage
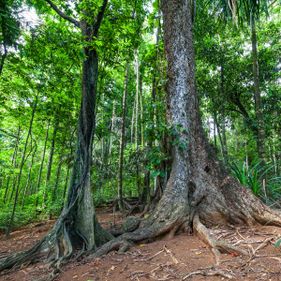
[
  {"x": 259, "y": 178},
  {"x": 277, "y": 244},
  {"x": 23, "y": 216},
  {"x": 250, "y": 176}
]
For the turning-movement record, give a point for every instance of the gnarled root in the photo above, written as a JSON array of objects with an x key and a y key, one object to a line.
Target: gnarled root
[
  {"x": 216, "y": 245},
  {"x": 24, "y": 257},
  {"x": 124, "y": 241},
  {"x": 57, "y": 244}
]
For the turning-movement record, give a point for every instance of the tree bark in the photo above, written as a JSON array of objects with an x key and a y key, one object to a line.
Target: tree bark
[{"x": 197, "y": 184}]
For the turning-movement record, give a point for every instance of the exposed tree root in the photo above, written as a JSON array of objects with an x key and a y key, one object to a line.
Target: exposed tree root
[
  {"x": 59, "y": 242},
  {"x": 216, "y": 245},
  {"x": 254, "y": 251},
  {"x": 21, "y": 258}
]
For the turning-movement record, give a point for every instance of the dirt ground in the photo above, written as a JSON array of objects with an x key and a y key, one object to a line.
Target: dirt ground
[{"x": 183, "y": 257}]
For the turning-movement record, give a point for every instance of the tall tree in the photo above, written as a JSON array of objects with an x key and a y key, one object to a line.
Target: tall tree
[
  {"x": 199, "y": 189},
  {"x": 77, "y": 222}
]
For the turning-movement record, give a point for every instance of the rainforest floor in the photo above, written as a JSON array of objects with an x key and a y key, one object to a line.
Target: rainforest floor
[{"x": 183, "y": 257}]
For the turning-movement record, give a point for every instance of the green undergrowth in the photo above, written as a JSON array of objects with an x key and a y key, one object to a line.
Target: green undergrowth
[{"x": 261, "y": 179}]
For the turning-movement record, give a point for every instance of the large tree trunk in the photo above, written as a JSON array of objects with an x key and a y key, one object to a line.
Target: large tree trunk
[
  {"x": 80, "y": 194},
  {"x": 198, "y": 189},
  {"x": 197, "y": 183}
]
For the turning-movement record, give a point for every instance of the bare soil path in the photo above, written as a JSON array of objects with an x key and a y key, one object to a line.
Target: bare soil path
[{"x": 182, "y": 257}]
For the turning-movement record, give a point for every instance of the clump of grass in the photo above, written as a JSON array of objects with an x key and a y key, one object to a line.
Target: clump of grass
[{"x": 259, "y": 178}]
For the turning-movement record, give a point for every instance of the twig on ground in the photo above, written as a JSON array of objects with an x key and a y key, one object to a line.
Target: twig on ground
[
  {"x": 169, "y": 252},
  {"x": 254, "y": 251},
  {"x": 136, "y": 274},
  {"x": 207, "y": 272},
  {"x": 148, "y": 258}
]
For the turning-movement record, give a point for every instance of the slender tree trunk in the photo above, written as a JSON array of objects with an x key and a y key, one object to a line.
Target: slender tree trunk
[
  {"x": 141, "y": 113},
  {"x": 58, "y": 173},
  {"x": 50, "y": 162},
  {"x": 80, "y": 193},
  {"x": 137, "y": 119},
  {"x": 28, "y": 181},
  {"x": 84, "y": 214},
  {"x": 66, "y": 181},
  {"x": 260, "y": 130},
  {"x": 146, "y": 197},
  {"x": 137, "y": 98},
  {"x": 215, "y": 134},
  {"x": 41, "y": 168},
  {"x": 122, "y": 139},
  {"x": 112, "y": 128},
  {"x": 224, "y": 139},
  {"x": 132, "y": 122}
]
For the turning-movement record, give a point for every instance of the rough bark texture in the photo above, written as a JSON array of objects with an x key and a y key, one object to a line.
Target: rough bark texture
[{"x": 197, "y": 183}]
